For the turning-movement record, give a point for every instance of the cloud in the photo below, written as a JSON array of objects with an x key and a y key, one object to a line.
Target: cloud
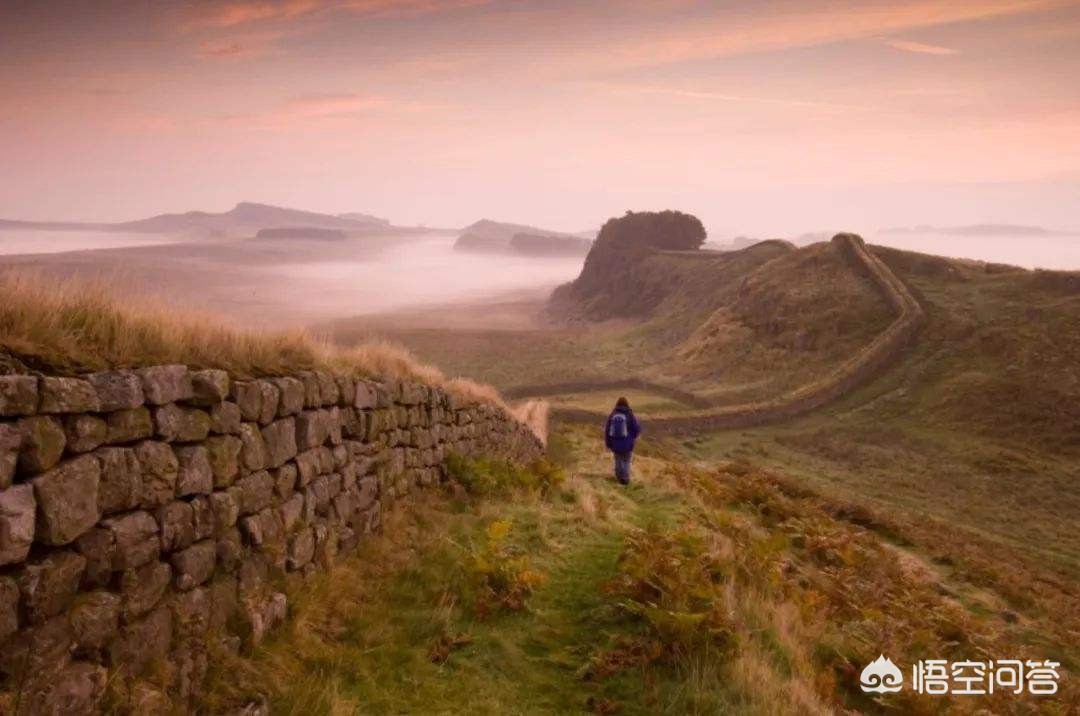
[
  {"x": 244, "y": 12},
  {"x": 921, "y": 48},
  {"x": 331, "y": 105},
  {"x": 790, "y": 26},
  {"x": 636, "y": 89}
]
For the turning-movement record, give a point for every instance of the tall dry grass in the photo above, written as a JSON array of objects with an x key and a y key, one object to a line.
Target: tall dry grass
[{"x": 74, "y": 327}]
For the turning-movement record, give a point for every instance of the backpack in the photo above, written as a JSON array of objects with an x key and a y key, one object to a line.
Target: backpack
[{"x": 617, "y": 428}]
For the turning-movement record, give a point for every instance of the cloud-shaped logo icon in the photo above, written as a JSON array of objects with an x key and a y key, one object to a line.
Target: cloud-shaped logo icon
[{"x": 881, "y": 676}]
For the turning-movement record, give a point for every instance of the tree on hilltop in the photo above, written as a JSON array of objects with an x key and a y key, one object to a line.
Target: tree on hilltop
[{"x": 666, "y": 230}]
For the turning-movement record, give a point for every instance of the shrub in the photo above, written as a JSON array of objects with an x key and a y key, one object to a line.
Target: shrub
[
  {"x": 500, "y": 573},
  {"x": 487, "y": 476},
  {"x": 672, "y": 582}
]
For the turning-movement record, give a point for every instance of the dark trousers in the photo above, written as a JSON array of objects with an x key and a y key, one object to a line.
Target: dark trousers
[{"x": 622, "y": 467}]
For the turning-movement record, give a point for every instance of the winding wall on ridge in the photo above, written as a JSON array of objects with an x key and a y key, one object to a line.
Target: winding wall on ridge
[
  {"x": 147, "y": 516},
  {"x": 866, "y": 364}
]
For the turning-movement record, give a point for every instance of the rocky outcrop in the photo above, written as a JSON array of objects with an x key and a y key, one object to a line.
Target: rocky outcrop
[{"x": 146, "y": 515}]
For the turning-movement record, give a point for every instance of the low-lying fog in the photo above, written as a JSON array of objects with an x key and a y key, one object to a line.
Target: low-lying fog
[
  {"x": 277, "y": 283},
  {"x": 33, "y": 241},
  {"x": 1047, "y": 251},
  {"x": 419, "y": 272}
]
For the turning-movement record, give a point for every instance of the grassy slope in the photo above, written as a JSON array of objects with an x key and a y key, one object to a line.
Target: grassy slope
[
  {"x": 771, "y": 601},
  {"x": 735, "y": 327}
]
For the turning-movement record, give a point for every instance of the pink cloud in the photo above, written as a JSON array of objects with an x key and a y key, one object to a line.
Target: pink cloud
[
  {"x": 242, "y": 12},
  {"x": 921, "y": 48}
]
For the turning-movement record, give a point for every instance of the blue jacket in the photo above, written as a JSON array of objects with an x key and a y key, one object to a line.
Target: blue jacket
[{"x": 633, "y": 429}]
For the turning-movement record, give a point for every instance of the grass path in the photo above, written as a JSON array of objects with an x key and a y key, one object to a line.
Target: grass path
[{"x": 361, "y": 640}]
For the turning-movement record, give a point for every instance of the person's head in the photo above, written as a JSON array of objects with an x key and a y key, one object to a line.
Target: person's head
[{"x": 622, "y": 403}]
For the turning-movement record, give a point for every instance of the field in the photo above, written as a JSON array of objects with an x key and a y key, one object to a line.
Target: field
[
  {"x": 699, "y": 589},
  {"x": 977, "y": 426}
]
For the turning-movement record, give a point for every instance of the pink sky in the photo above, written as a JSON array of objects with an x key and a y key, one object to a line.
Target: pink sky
[{"x": 760, "y": 117}]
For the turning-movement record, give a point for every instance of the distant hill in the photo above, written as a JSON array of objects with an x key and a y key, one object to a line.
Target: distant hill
[
  {"x": 496, "y": 236},
  {"x": 365, "y": 218},
  {"x": 302, "y": 232},
  {"x": 979, "y": 230},
  {"x": 244, "y": 219},
  {"x": 548, "y": 245}
]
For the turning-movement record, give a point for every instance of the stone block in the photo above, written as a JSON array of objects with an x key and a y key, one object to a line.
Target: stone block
[
  {"x": 18, "y": 509},
  {"x": 225, "y": 418},
  {"x": 142, "y": 643},
  {"x": 301, "y": 549},
  {"x": 203, "y": 519},
  {"x": 84, "y": 432},
  {"x": 75, "y": 689},
  {"x": 280, "y": 439},
  {"x": 284, "y": 480},
  {"x": 311, "y": 389},
  {"x": 43, "y": 442},
  {"x": 67, "y": 395},
  {"x": 256, "y": 492},
  {"x": 346, "y": 390},
  {"x": 95, "y": 619},
  {"x": 48, "y": 585},
  {"x": 263, "y": 529},
  {"x": 194, "y": 476},
  {"x": 160, "y": 469},
  {"x": 120, "y": 487},
  {"x": 271, "y": 396},
  {"x": 248, "y": 397},
  {"x": 209, "y": 386},
  {"x": 230, "y": 549},
  {"x": 292, "y": 511},
  {"x": 194, "y": 565},
  {"x": 10, "y": 442},
  {"x": 98, "y": 547},
  {"x": 166, "y": 384},
  {"x": 175, "y": 423},
  {"x": 142, "y": 588},
  {"x": 117, "y": 390},
  {"x": 226, "y": 509},
  {"x": 67, "y": 500},
  {"x": 176, "y": 521},
  {"x": 9, "y": 608},
  {"x": 328, "y": 389},
  {"x": 311, "y": 429},
  {"x": 366, "y": 395},
  {"x": 253, "y": 451},
  {"x": 125, "y": 426},
  {"x": 292, "y": 394},
  {"x": 307, "y": 466},
  {"x": 223, "y": 452},
  {"x": 18, "y": 395},
  {"x": 135, "y": 539}
]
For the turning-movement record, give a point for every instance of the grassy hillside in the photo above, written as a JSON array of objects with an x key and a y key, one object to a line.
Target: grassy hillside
[
  {"x": 700, "y": 589},
  {"x": 977, "y": 426}
]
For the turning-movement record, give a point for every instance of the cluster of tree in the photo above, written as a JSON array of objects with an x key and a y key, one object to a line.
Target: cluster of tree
[{"x": 667, "y": 230}]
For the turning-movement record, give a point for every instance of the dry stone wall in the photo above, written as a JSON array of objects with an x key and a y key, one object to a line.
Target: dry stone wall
[{"x": 145, "y": 515}]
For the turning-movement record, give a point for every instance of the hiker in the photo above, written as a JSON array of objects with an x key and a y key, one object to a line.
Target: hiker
[{"x": 620, "y": 432}]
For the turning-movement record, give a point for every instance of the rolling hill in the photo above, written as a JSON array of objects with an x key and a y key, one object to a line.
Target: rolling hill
[{"x": 244, "y": 219}]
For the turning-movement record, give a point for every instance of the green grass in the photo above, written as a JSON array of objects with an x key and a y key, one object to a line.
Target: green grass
[{"x": 796, "y": 591}]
